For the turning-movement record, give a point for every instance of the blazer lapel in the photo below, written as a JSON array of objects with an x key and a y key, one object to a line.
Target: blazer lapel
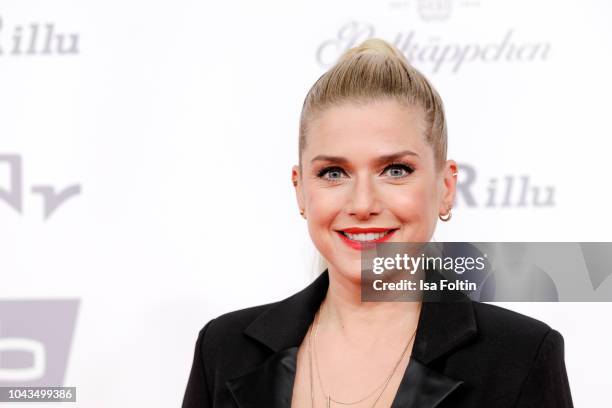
[
  {"x": 447, "y": 322},
  {"x": 423, "y": 387},
  {"x": 269, "y": 385},
  {"x": 444, "y": 325},
  {"x": 281, "y": 329}
]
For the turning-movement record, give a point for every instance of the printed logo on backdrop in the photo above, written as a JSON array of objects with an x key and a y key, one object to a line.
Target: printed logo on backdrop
[
  {"x": 427, "y": 49},
  {"x": 12, "y": 193},
  {"x": 35, "y": 341},
  {"x": 509, "y": 191},
  {"x": 434, "y": 10},
  {"x": 36, "y": 38}
]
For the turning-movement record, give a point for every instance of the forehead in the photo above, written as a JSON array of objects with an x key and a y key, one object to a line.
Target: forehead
[{"x": 367, "y": 129}]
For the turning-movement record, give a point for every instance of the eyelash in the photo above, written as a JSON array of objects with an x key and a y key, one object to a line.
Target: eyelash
[{"x": 326, "y": 170}]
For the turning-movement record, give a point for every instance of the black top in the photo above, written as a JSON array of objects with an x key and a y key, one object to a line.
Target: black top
[{"x": 465, "y": 354}]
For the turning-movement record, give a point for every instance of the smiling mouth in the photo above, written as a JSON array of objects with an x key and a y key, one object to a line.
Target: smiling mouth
[{"x": 367, "y": 236}]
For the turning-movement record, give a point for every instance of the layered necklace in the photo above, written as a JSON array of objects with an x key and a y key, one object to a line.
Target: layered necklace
[{"x": 312, "y": 339}]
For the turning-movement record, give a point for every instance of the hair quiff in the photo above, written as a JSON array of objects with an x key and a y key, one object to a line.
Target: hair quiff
[{"x": 374, "y": 71}]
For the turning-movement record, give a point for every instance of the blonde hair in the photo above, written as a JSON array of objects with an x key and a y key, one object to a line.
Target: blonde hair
[{"x": 374, "y": 71}]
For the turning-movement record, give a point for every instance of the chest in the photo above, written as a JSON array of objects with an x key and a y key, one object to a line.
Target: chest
[{"x": 370, "y": 379}]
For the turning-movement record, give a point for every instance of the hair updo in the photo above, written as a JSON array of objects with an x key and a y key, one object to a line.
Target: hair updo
[{"x": 374, "y": 71}]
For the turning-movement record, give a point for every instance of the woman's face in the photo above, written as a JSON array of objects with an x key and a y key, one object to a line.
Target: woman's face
[{"x": 369, "y": 174}]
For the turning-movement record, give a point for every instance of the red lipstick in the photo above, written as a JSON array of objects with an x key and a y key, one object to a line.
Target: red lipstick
[{"x": 367, "y": 244}]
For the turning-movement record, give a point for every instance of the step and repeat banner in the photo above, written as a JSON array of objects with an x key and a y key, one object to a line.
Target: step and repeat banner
[{"x": 145, "y": 167}]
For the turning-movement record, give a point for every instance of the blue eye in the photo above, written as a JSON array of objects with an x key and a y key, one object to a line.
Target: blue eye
[
  {"x": 333, "y": 172},
  {"x": 398, "y": 170},
  {"x": 395, "y": 170}
]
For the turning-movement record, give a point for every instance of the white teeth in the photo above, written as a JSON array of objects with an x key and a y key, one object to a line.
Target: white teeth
[{"x": 370, "y": 236}]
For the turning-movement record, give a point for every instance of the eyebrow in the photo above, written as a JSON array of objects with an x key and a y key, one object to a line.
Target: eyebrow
[{"x": 381, "y": 159}]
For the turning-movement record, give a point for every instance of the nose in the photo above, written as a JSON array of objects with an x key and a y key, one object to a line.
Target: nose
[{"x": 363, "y": 202}]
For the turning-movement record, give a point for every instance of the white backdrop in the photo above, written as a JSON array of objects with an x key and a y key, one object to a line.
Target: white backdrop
[{"x": 171, "y": 128}]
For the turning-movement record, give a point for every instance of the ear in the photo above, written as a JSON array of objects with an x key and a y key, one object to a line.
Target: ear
[
  {"x": 449, "y": 187},
  {"x": 296, "y": 178}
]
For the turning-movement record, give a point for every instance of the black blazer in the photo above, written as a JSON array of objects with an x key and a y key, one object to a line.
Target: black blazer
[{"x": 465, "y": 354}]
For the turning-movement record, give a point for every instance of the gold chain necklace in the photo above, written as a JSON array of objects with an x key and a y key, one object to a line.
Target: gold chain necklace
[{"x": 329, "y": 399}]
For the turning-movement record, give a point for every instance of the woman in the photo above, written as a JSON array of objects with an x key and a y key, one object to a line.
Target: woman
[{"x": 372, "y": 167}]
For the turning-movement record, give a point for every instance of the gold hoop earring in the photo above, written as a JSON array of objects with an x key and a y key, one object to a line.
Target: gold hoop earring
[{"x": 445, "y": 217}]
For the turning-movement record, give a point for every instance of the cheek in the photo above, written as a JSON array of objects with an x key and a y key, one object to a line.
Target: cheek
[
  {"x": 322, "y": 207},
  {"x": 413, "y": 205},
  {"x": 321, "y": 213}
]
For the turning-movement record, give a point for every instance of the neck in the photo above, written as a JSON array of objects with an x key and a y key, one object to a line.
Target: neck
[{"x": 345, "y": 311}]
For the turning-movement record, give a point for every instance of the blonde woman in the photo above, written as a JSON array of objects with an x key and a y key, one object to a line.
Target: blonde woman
[{"x": 372, "y": 166}]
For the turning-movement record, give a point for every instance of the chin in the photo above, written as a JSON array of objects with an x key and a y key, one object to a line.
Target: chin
[{"x": 349, "y": 269}]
